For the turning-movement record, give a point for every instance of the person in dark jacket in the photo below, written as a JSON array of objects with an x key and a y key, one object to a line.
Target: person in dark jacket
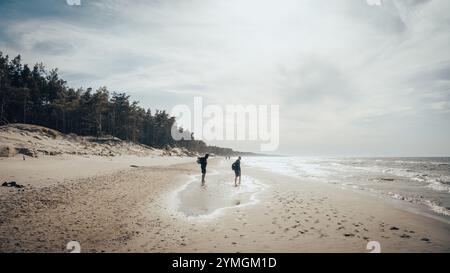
[
  {"x": 237, "y": 171},
  {"x": 203, "y": 161}
]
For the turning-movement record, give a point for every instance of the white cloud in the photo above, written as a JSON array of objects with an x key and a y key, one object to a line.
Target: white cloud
[{"x": 342, "y": 71}]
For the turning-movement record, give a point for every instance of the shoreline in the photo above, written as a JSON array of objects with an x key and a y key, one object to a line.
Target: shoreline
[
  {"x": 416, "y": 185},
  {"x": 133, "y": 210}
]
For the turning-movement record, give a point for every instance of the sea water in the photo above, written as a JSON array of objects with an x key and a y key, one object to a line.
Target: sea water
[
  {"x": 422, "y": 181},
  {"x": 218, "y": 194}
]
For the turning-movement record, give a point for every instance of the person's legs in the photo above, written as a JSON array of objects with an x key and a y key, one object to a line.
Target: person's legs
[{"x": 203, "y": 176}]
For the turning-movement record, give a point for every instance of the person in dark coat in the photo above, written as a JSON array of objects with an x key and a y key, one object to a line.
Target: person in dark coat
[
  {"x": 203, "y": 161},
  {"x": 237, "y": 171}
]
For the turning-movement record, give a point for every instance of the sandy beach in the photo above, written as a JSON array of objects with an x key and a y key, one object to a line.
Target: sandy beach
[{"x": 156, "y": 204}]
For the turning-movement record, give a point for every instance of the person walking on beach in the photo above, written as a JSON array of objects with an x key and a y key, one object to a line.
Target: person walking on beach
[
  {"x": 236, "y": 167},
  {"x": 203, "y": 161}
]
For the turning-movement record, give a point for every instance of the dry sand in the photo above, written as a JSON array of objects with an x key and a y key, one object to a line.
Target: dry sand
[
  {"x": 164, "y": 209},
  {"x": 52, "y": 170}
]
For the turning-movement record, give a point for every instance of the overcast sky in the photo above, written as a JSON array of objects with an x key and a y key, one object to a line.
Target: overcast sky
[{"x": 350, "y": 78}]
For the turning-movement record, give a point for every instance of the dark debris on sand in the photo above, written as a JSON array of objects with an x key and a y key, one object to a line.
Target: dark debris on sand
[{"x": 12, "y": 184}]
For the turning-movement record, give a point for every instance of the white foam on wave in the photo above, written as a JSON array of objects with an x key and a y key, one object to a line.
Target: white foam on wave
[
  {"x": 438, "y": 209},
  {"x": 291, "y": 166},
  {"x": 428, "y": 203}
]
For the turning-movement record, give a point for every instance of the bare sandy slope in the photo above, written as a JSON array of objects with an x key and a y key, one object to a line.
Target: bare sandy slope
[
  {"x": 35, "y": 141},
  {"x": 138, "y": 210}
]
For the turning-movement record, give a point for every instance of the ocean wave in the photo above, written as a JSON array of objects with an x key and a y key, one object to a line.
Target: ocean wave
[
  {"x": 437, "y": 209},
  {"x": 436, "y": 182},
  {"x": 432, "y": 205},
  {"x": 438, "y": 185}
]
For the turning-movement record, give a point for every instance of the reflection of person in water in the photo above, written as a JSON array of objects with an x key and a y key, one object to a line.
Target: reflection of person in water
[
  {"x": 203, "y": 161},
  {"x": 237, "y": 171}
]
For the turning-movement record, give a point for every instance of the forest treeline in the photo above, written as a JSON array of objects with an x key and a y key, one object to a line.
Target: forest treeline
[{"x": 37, "y": 96}]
